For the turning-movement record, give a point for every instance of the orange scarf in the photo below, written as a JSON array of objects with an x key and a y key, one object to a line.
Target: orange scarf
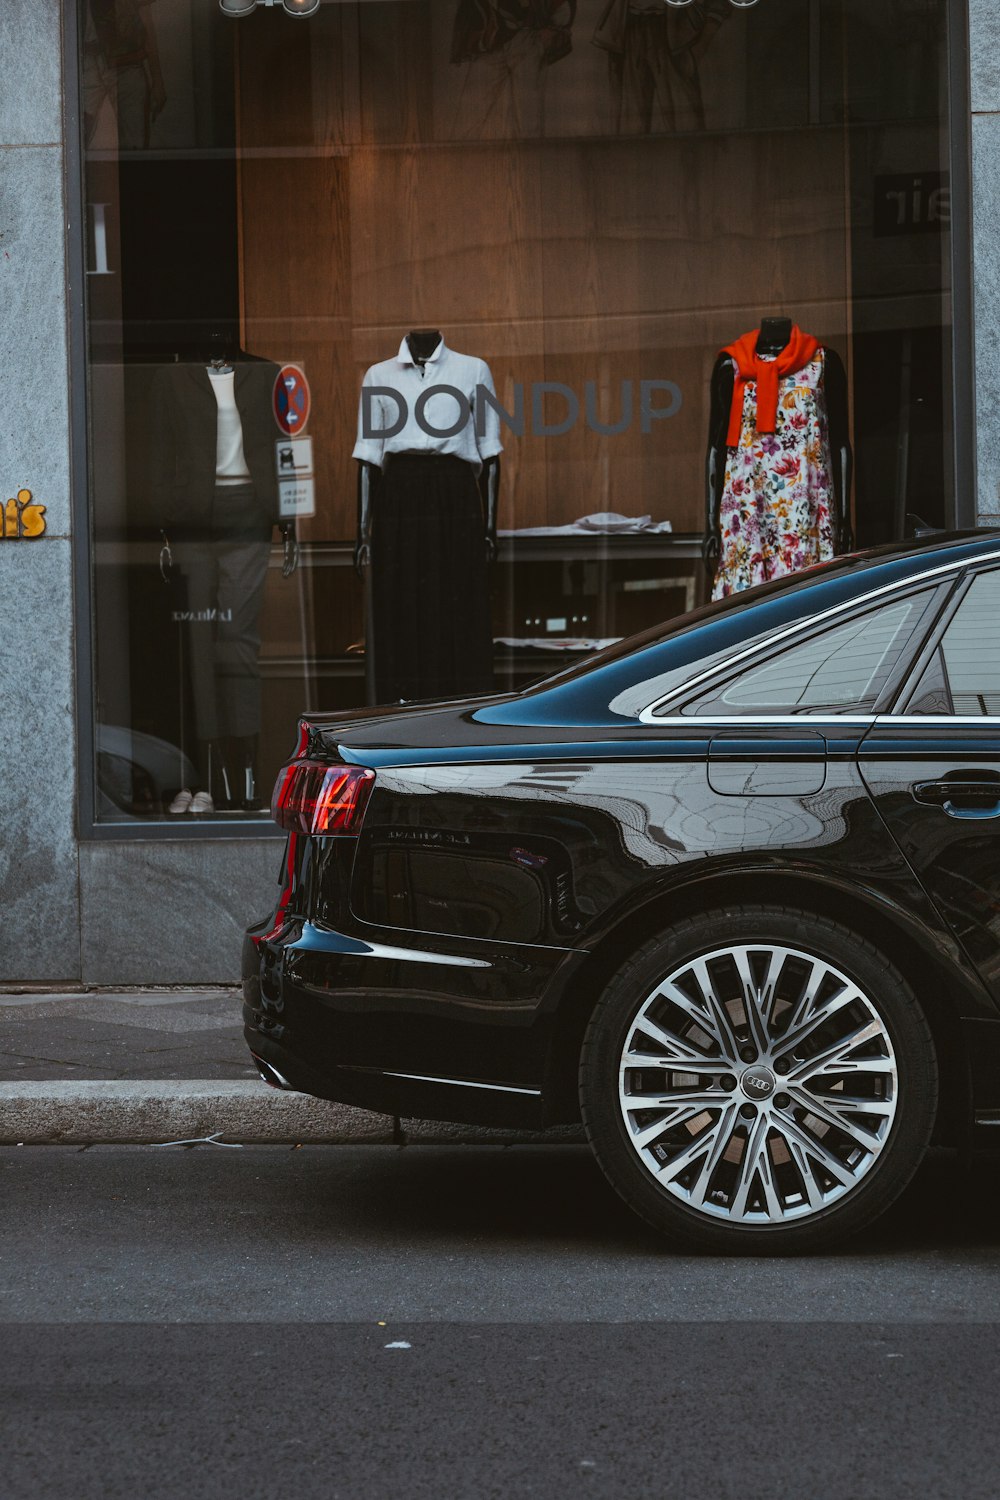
[{"x": 801, "y": 348}]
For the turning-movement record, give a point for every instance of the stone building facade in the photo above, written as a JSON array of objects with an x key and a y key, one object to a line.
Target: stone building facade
[{"x": 96, "y": 905}]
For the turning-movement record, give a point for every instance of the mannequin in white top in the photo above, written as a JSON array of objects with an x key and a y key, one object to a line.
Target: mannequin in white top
[
  {"x": 214, "y": 482},
  {"x": 422, "y": 343},
  {"x": 428, "y": 493},
  {"x": 230, "y": 463}
]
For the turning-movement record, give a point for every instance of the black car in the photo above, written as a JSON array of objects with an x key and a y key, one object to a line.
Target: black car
[{"x": 728, "y": 891}]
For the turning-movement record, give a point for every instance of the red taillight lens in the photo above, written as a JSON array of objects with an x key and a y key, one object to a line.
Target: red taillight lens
[{"x": 310, "y": 797}]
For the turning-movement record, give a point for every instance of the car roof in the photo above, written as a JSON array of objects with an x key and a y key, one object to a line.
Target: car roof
[{"x": 583, "y": 692}]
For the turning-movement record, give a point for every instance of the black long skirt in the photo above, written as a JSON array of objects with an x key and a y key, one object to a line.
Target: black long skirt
[{"x": 430, "y": 586}]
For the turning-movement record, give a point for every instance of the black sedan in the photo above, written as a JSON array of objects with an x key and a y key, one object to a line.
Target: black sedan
[{"x": 728, "y": 892}]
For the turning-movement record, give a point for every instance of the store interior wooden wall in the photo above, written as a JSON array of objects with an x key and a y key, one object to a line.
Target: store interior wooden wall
[{"x": 571, "y": 259}]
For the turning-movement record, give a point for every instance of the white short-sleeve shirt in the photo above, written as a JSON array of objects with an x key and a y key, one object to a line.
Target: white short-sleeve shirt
[{"x": 404, "y": 410}]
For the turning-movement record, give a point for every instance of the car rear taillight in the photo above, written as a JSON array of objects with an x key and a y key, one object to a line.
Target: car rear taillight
[{"x": 311, "y": 797}]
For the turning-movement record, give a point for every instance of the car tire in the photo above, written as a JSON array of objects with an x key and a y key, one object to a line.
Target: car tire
[{"x": 758, "y": 1080}]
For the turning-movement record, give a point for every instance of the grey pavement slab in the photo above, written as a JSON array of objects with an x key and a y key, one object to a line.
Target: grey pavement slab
[
  {"x": 143, "y": 1034},
  {"x": 470, "y": 1234}
]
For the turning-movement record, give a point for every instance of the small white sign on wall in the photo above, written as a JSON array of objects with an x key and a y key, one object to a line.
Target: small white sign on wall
[
  {"x": 296, "y": 484},
  {"x": 296, "y": 497},
  {"x": 294, "y": 457}
]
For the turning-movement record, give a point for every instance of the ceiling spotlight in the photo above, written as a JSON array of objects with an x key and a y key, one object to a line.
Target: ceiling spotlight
[
  {"x": 237, "y": 7},
  {"x": 300, "y": 7}
]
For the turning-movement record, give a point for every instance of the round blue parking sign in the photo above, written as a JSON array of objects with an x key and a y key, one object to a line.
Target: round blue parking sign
[{"x": 291, "y": 400}]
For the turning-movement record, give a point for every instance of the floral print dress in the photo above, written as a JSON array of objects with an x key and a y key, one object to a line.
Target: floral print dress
[{"x": 775, "y": 512}]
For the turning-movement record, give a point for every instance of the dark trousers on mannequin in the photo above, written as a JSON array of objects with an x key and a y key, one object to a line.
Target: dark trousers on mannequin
[
  {"x": 224, "y": 568},
  {"x": 430, "y": 581}
]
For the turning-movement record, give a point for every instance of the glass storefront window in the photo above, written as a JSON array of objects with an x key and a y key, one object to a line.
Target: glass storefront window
[{"x": 560, "y": 212}]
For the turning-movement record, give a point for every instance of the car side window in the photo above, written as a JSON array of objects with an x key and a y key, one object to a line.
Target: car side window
[
  {"x": 963, "y": 675},
  {"x": 838, "y": 670}
]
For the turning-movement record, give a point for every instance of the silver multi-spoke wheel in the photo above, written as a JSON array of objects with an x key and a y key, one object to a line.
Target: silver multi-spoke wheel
[{"x": 758, "y": 1084}]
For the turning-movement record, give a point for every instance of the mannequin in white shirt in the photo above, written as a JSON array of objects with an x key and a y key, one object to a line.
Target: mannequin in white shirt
[
  {"x": 422, "y": 343},
  {"x": 213, "y": 480},
  {"x": 427, "y": 501},
  {"x": 223, "y": 351}
]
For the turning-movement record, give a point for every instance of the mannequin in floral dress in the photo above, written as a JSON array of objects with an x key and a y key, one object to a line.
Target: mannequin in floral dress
[{"x": 779, "y": 458}]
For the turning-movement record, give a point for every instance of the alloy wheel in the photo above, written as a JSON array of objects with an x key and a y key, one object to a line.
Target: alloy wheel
[{"x": 758, "y": 1084}]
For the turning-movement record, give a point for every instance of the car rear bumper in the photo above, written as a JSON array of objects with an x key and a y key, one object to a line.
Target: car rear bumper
[{"x": 406, "y": 1027}]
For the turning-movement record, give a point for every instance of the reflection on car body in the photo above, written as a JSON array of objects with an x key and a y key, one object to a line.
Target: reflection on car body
[{"x": 744, "y": 927}]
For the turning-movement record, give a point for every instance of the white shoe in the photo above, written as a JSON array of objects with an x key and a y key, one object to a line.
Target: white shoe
[
  {"x": 202, "y": 802},
  {"x": 181, "y": 802}
]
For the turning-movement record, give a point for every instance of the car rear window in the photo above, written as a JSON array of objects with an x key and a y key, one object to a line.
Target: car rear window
[{"x": 841, "y": 668}]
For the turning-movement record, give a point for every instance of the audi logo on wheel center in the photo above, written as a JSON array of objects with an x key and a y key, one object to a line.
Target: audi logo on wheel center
[{"x": 757, "y": 1083}]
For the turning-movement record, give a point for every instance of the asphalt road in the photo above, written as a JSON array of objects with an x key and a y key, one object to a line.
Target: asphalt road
[{"x": 450, "y": 1322}]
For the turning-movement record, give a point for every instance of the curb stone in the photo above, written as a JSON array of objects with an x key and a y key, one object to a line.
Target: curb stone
[
  {"x": 98, "y": 1112},
  {"x": 154, "y": 1112}
]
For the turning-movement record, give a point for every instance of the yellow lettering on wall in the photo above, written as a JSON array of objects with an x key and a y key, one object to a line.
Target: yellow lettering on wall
[
  {"x": 21, "y": 518},
  {"x": 32, "y": 516}
]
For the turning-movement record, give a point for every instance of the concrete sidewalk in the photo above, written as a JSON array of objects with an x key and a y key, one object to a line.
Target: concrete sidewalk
[
  {"x": 166, "y": 1066},
  {"x": 147, "y": 1034}
]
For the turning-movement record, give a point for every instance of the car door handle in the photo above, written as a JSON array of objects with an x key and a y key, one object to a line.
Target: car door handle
[{"x": 960, "y": 799}]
